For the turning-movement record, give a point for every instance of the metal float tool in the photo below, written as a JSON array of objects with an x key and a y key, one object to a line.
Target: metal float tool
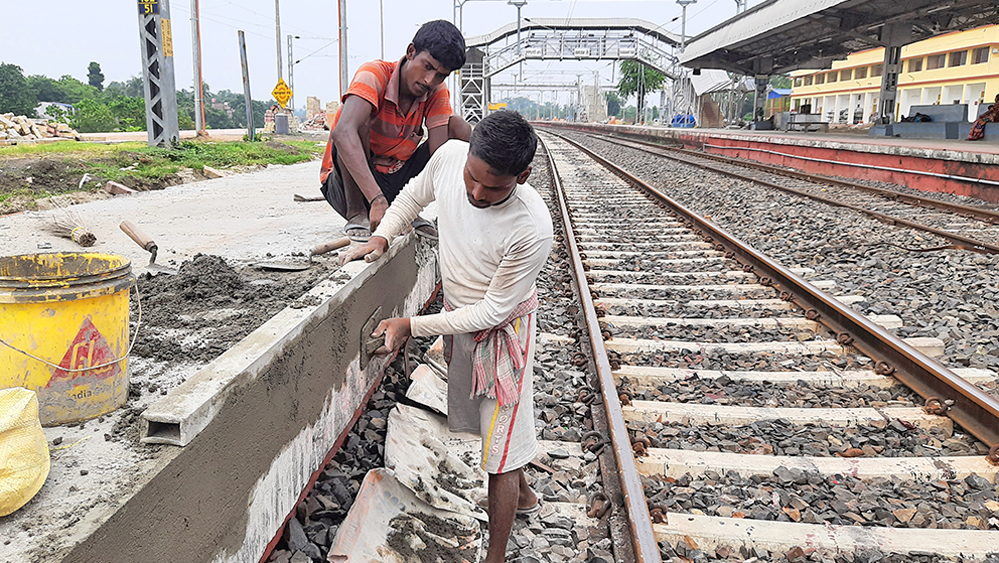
[
  {"x": 299, "y": 265},
  {"x": 148, "y": 245},
  {"x": 368, "y": 343}
]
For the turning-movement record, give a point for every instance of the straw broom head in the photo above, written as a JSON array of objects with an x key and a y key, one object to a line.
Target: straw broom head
[{"x": 65, "y": 223}]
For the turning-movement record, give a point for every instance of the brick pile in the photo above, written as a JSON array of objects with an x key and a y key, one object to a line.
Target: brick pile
[{"x": 20, "y": 128}]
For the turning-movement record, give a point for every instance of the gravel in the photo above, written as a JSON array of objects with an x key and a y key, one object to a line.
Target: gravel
[
  {"x": 793, "y": 495},
  {"x": 780, "y": 437},
  {"x": 724, "y": 391},
  {"x": 948, "y": 294}
]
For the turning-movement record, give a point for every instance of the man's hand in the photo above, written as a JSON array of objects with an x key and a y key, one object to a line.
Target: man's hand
[
  {"x": 370, "y": 251},
  {"x": 396, "y": 332},
  {"x": 378, "y": 207}
]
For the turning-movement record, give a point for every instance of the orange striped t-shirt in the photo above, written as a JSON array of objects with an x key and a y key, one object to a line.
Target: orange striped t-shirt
[{"x": 394, "y": 136}]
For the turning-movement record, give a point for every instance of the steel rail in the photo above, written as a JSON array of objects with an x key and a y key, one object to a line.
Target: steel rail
[
  {"x": 961, "y": 241},
  {"x": 966, "y": 404},
  {"x": 646, "y": 548},
  {"x": 972, "y": 211}
]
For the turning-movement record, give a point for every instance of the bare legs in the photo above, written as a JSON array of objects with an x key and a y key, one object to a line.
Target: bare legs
[{"x": 507, "y": 492}]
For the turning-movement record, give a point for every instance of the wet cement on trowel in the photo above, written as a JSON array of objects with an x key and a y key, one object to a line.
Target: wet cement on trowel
[{"x": 197, "y": 507}]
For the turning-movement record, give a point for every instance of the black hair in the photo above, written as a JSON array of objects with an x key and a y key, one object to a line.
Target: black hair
[
  {"x": 443, "y": 41},
  {"x": 505, "y": 141}
]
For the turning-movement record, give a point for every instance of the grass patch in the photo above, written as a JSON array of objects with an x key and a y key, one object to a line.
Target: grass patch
[{"x": 35, "y": 171}]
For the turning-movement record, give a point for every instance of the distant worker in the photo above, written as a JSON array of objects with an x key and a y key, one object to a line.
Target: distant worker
[
  {"x": 495, "y": 236},
  {"x": 991, "y": 115},
  {"x": 374, "y": 146}
]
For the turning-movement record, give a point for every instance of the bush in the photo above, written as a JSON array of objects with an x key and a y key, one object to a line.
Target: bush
[{"x": 91, "y": 116}]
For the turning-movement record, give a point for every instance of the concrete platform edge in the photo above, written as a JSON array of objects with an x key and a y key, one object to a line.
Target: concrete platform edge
[{"x": 260, "y": 426}]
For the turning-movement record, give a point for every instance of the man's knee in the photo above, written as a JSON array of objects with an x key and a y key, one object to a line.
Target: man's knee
[{"x": 458, "y": 128}]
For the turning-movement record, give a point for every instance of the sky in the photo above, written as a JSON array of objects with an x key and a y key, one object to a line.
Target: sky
[{"x": 107, "y": 31}]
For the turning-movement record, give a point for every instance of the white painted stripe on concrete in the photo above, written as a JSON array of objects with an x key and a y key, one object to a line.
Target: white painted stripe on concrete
[
  {"x": 821, "y": 284},
  {"x": 680, "y": 241},
  {"x": 933, "y": 347},
  {"x": 696, "y": 413},
  {"x": 650, "y": 254},
  {"x": 697, "y": 256},
  {"x": 675, "y": 463},
  {"x": 887, "y": 321},
  {"x": 732, "y": 287},
  {"x": 713, "y": 303},
  {"x": 712, "y": 532},
  {"x": 665, "y": 322},
  {"x": 807, "y": 348},
  {"x": 727, "y": 274},
  {"x": 649, "y": 376}
]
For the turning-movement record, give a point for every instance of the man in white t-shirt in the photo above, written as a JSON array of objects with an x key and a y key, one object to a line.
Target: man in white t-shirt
[{"x": 495, "y": 236}]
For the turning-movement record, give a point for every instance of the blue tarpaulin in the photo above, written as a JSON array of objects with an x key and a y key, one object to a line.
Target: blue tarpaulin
[{"x": 778, "y": 93}]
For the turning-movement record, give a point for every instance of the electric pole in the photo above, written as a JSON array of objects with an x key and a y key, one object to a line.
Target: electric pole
[
  {"x": 199, "y": 93},
  {"x": 342, "y": 19},
  {"x": 277, "y": 35}
]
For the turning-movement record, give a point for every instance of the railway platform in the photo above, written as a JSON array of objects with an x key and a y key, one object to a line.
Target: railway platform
[{"x": 948, "y": 166}]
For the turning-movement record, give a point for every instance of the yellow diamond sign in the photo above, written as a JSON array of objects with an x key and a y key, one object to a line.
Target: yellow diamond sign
[{"x": 281, "y": 93}]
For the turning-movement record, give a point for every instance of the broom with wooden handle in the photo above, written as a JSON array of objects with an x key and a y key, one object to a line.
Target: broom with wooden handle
[{"x": 65, "y": 223}]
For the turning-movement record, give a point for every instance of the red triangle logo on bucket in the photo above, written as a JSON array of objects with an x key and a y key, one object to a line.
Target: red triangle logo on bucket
[{"x": 89, "y": 348}]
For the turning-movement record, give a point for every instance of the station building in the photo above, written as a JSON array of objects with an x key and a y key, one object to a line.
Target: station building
[{"x": 954, "y": 68}]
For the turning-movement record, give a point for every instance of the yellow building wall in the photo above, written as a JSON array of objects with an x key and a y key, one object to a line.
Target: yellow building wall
[{"x": 969, "y": 83}]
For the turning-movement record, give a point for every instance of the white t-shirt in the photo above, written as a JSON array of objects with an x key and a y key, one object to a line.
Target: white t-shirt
[{"x": 489, "y": 258}]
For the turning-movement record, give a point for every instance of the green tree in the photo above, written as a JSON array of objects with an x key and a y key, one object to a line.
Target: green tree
[
  {"x": 639, "y": 79},
  {"x": 94, "y": 76},
  {"x": 47, "y": 89},
  {"x": 74, "y": 90},
  {"x": 131, "y": 87},
  {"x": 614, "y": 104},
  {"x": 92, "y": 116},
  {"x": 129, "y": 112},
  {"x": 15, "y": 95},
  {"x": 780, "y": 81}
]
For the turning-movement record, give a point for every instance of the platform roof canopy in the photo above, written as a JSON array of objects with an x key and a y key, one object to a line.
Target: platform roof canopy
[
  {"x": 587, "y": 24},
  {"x": 813, "y": 33}
]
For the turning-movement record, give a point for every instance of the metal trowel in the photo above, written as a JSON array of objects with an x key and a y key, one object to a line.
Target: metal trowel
[
  {"x": 297, "y": 265},
  {"x": 148, "y": 245}
]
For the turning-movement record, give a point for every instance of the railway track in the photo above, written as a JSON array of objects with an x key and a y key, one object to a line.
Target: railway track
[
  {"x": 965, "y": 226},
  {"x": 752, "y": 414}
]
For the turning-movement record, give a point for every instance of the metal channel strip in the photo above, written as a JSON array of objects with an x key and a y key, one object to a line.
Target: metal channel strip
[
  {"x": 965, "y": 403},
  {"x": 646, "y": 549},
  {"x": 966, "y": 243}
]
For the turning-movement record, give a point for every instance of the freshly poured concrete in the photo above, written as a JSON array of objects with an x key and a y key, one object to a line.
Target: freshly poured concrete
[{"x": 228, "y": 491}]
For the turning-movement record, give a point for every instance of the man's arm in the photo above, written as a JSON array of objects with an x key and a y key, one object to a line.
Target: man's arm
[
  {"x": 355, "y": 117},
  {"x": 438, "y": 115},
  {"x": 414, "y": 197},
  {"x": 511, "y": 284}
]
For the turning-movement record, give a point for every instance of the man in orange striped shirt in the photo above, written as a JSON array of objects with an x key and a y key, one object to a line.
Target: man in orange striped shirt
[{"x": 374, "y": 146}]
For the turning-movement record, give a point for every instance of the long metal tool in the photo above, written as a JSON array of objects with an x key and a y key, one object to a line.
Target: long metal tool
[
  {"x": 963, "y": 402},
  {"x": 646, "y": 549}
]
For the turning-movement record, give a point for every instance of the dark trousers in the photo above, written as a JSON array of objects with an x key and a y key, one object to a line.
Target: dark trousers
[{"x": 391, "y": 184}]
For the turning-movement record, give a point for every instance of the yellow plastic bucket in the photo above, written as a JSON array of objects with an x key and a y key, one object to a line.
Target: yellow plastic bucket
[{"x": 64, "y": 331}]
